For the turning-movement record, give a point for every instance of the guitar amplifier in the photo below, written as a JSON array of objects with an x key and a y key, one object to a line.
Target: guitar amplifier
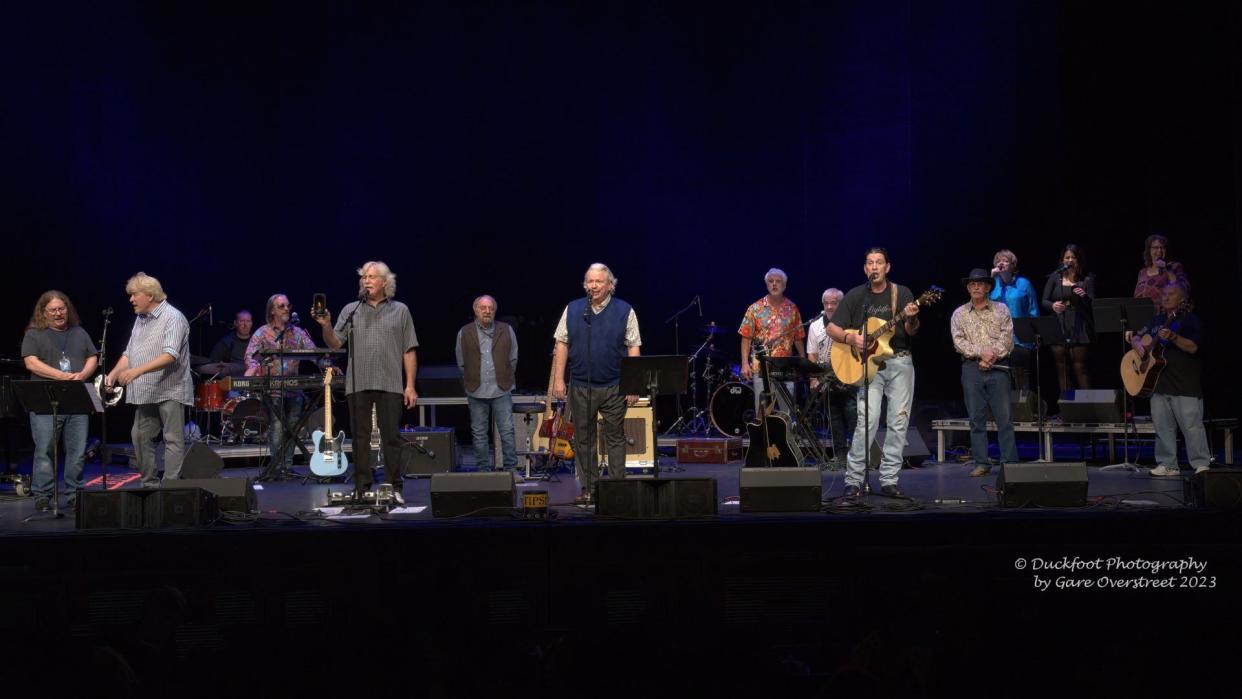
[
  {"x": 428, "y": 450},
  {"x": 639, "y": 451}
]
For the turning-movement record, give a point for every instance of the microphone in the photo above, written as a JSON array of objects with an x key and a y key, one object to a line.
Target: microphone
[
  {"x": 872, "y": 277},
  {"x": 211, "y": 317},
  {"x": 107, "y": 312},
  {"x": 1063, "y": 268},
  {"x": 699, "y": 302},
  {"x": 362, "y": 296},
  {"x": 949, "y": 501},
  {"x": 294, "y": 319}
]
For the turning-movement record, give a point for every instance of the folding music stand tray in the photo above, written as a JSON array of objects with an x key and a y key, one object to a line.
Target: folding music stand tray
[
  {"x": 1034, "y": 330},
  {"x": 651, "y": 376},
  {"x": 1119, "y": 315},
  {"x": 56, "y": 398}
]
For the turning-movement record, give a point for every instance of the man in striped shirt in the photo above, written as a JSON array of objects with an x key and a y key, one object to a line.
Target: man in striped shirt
[{"x": 155, "y": 370}]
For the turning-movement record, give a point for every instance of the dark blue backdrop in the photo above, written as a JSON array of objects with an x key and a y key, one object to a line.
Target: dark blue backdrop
[{"x": 501, "y": 148}]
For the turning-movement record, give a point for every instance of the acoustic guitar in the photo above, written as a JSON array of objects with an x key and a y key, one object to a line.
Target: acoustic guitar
[
  {"x": 769, "y": 433},
  {"x": 1141, "y": 366},
  {"x": 847, "y": 360},
  {"x": 329, "y": 460}
]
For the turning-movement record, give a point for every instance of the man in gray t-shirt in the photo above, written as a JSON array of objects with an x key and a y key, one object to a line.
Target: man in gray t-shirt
[
  {"x": 383, "y": 344},
  {"x": 56, "y": 348}
]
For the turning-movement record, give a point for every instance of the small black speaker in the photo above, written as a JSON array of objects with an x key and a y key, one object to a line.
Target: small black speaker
[
  {"x": 489, "y": 494},
  {"x": 1042, "y": 485},
  {"x": 780, "y": 490},
  {"x": 428, "y": 450},
  {"x": 1219, "y": 488},
  {"x": 1091, "y": 406},
  {"x": 914, "y": 453},
  {"x": 645, "y": 498},
  {"x": 201, "y": 462},
  {"x": 110, "y": 509},
  {"x": 179, "y": 508},
  {"x": 232, "y": 494}
]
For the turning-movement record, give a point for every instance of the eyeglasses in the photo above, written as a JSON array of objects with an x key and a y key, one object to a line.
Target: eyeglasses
[
  {"x": 280, "y": 305},
  {"x": 56, "y": 311}
]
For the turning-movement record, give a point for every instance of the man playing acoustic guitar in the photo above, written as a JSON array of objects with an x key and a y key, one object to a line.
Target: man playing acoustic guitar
[{"x": 879, "y": 298}]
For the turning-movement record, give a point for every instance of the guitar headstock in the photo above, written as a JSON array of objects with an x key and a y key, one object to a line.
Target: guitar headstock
[
  {"x": 930, "y": 296},
  {"x": 327, "y": 376}
]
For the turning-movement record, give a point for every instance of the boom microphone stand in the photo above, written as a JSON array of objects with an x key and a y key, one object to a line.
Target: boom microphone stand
[{"x": 105, "y": 453}]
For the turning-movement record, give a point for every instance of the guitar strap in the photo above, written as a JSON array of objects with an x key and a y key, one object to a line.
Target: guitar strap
[{"x": 893, "y": 304}]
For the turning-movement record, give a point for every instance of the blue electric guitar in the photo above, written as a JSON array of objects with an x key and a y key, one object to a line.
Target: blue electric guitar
[{"x": 329, "y": 460}]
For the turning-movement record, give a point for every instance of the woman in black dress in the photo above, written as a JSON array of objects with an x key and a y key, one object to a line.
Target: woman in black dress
[{"x": 1068, "y": 293}]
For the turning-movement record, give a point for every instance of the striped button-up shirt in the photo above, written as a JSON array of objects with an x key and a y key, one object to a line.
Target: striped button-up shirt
[
  {"x": 162, "y": 331},
  {"x": 975, "y": 330},
  {"x": 381, "y": 336}
]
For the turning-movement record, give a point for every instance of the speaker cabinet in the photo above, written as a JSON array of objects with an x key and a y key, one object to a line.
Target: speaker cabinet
[
  {"x": 639, "y": 451},
  {"x": 1219, "y": 488},
  {"x": 474, "y": 494},
  {"x": 1091, "y": 406},
  {"x": 201, "y": 462},
  {"x": 780, "y": 490},
  {"x": 428, "y": 450},
  {"x": 643, "y": 498},
  {"x": 179, "y": 508},
  {"x": 110, "y": 509},
  {"x": 232, "y": 494},
  {"x": 1042, "y": 485}
]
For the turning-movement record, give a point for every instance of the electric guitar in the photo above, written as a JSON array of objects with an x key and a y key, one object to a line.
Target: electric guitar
[
  {"x": 1141, "y": 366},
  {"x": 554, "y": 428},
  {"x": 769, "y": 433},
  {"x": 847, "y": 360},
  {"x": 329, "y": 460}
]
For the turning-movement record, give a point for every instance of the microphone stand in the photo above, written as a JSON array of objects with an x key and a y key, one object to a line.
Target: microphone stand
[
  {"x": 349, "y": 363},
  {"x": 105, "y": 454},
  {"x": 674, "y": 319},
  {"x": 590, "y": 404},
  {"x": 866, "y": 358}
]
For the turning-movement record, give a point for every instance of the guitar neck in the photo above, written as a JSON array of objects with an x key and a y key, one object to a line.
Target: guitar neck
[{"x": 327, "y": 402}]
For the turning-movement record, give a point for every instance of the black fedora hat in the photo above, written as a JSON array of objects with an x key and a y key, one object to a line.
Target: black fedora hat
[{"x": 978, "y": 274}]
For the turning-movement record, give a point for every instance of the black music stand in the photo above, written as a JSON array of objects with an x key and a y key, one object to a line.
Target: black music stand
[
  {"x": 56, "y": 398},
  {"x": 1120, "y": 315},
  {"x": 651, "y": 376},
  {"x": 1033, "y": 331}
]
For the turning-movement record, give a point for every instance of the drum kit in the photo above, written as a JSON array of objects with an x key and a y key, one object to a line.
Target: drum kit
[
  {"x": 730, "y": 401},
  {"x": 242, "y": 418}
]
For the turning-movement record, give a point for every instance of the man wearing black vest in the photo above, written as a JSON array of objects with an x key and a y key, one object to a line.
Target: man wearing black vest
[
  {"x": 487, "y": 355},
  {"x": 594, "y": 334}
]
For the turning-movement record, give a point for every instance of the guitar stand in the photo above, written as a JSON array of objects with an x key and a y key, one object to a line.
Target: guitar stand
[
  {"x": 802, "y": 429},
  {"x": 269, "y": 472}
]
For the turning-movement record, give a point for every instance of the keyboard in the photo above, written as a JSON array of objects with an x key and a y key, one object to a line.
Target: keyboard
[{"x": 276, "y": 383}]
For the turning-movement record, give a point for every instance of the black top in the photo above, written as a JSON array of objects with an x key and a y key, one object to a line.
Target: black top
[
  {"x": 860, "y": 304},
  {"x": 230, "y": 349},
  {"x": 1078, "y": 320},
  {"x": 1180, "y": 376}
]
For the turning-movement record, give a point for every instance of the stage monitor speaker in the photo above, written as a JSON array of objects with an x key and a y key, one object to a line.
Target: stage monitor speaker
[
  {"x": 1021, "y": 406},
  {"x": 781, "y": 490},
  {"x": 440, "y": 381},
  {"x": 639, "y": 452},
  {"x": 110, "y": 509},
  {"x": 179, "y": 508},
  {"x": 201, "y": 462},
  {"x": 1042, "y": 485},
  {"x": 1219, "y": 488},
  {"x": 428, "y": 450},
  {"x": 1091, "y": 406},
  {"x": 488, "y": 494},
  {"x": 232, "y": 494},
  {"x": 914, "y": 453},
  {"x": 644, "y": 498}
]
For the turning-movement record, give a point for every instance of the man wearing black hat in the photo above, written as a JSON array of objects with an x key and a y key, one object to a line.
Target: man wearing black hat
[{"x": 983, "y": 334}]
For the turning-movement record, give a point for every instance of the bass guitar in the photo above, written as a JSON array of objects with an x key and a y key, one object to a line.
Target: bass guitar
[
  {"x": 1141, "y": 366},
  {"x": 329, "y": 460},
  {"x": 848, "y": 361},
  {"x": 769, "y": 433}
]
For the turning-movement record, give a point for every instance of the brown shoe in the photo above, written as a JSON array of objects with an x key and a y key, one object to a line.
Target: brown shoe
[{"x": 979, "y": 472}]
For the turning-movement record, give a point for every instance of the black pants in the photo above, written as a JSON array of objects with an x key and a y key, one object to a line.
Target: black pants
[
  {"x": 608, "y": 402},
  {"x": 388, "y": 408}
]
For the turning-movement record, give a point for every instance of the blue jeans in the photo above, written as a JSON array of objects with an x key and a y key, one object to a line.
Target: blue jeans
[
  {"x": 73, "y": 428},
  {"x": 482, "y": 411},
  {"x": 282, "y": 449},
  {"x": 896, "y": 383},
  {"x": 984, "y": 390},
  {"x": 1168, "y": 414}
]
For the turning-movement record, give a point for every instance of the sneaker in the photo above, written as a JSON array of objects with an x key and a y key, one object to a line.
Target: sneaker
[
  {"x": 1201, "y": 469},
  {"x": 890, "y": 491},
  {"x": 1166, "y": 472},
  {"x": 851, "y": 491},
  {"x": 42, "y": 504},
  {"x": 980, "y": 471}
]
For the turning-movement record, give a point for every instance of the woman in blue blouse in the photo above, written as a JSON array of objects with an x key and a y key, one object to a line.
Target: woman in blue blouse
[{"x": 1019, "y": 295}]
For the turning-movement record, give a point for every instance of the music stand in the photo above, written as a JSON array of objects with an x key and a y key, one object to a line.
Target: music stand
[
  {"x": 1119, "y": 315},
  {"x": 1033, "y": 331},
  {"x": 651, "y": 376},
  {"x": 56, "y": 398}
]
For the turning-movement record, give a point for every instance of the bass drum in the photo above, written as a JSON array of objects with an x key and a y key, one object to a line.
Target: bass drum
[{"x": 732, "y": 406}]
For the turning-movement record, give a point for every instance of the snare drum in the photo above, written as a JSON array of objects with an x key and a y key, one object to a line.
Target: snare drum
[
  {"x": 731, "y": 407},
  {"x": 210, "y": 395}
]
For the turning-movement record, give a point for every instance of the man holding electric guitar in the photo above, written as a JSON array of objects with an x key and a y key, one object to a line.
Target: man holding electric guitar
[
  {"x": 1170, "y": 345},
  {"x": 890, "y": 308}
]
